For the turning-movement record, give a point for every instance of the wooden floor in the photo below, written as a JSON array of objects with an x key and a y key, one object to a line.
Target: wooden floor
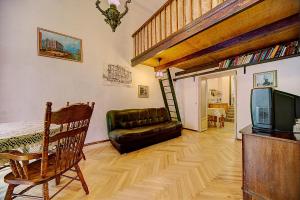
[{"x": 194, "y": 166}]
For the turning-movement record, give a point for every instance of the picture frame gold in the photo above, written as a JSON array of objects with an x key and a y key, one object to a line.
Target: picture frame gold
[{"x": 58, "y": 45}]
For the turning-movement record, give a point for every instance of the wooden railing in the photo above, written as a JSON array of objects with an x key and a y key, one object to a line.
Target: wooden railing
[{"x": 171, "y": 17}]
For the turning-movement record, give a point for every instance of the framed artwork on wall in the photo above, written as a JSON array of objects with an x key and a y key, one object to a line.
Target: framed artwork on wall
[
  {"x": 265, "y": 79},
  {"x": 143, "y": 91},
  {"x": 117, "y": 75},
  {"x": 57, "y": 45}
]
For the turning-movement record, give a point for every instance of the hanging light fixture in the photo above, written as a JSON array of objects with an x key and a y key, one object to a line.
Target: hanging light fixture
[
  {"x": 113, "y": 16},
  {"x": 159, "y": 74}
]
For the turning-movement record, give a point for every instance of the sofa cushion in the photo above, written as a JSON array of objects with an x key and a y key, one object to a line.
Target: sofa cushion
[
  {"x": 132, "y": 118},
  {"x": 140, "y": 133}
]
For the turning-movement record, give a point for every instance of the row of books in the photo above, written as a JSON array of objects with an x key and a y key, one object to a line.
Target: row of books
[{"x": 264, "y": 54}]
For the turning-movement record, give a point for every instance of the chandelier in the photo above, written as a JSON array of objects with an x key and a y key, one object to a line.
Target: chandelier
[{"x": 113, "y": 16}]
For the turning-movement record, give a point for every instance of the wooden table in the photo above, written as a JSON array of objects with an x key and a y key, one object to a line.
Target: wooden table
[
  {"x": 271, "y": 165},
  {"x": 22, "y": 136},
  {"x": 215, "y": 115}
]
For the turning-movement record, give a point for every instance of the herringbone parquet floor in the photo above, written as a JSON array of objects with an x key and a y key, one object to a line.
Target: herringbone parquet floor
[{"x": 194, "y": 166}]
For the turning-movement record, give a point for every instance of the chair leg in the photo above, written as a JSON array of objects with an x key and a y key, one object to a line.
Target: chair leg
[
  {"x": 83, "y": 183},
  {"x": 83, "y": 156},
  {"x": 57, "y": 180},
  {"x": 9, "y": 192},
  {"x": 46, "y": 191}
]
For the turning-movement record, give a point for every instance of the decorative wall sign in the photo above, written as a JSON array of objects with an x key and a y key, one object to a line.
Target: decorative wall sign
[
  {"x": 265, "y": 79},
  {"x": 117, "y": 75},
  {"x": 57, "y": 45},
  {"x": 143, "y": 91}
]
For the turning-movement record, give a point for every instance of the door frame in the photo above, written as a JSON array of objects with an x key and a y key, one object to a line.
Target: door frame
[
  {"x": 219, "y": 75},
  {"x": 200, "y": 79}
]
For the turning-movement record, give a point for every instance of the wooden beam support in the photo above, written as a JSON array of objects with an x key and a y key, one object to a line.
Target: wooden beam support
[
  {"x": 221, "y": 12},
  {"x": 260, "y": 32},
  {"x": 197, "y": 68}
]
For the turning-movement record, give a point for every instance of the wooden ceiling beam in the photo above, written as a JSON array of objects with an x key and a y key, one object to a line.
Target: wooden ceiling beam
[
  {"x": 257, "y": 33},
  {"x": 218, "y": 14},
  {"x": 197, "y": 68}
]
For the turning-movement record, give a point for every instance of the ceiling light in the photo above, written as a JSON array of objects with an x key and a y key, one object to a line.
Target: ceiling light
[{"x": 113, "y": 16}]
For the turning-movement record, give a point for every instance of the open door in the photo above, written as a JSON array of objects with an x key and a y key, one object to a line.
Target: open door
[{"x": 203, "y": 105}]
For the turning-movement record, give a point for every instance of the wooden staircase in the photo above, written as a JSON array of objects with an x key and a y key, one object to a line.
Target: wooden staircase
[
  {"x": 230, "y": 114},
  {"x": 169, "y": 96}
]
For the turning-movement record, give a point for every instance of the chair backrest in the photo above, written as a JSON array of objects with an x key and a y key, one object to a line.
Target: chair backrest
[{"x": 67, "y": 142}]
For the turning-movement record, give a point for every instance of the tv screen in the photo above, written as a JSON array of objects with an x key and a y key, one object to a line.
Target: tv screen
[{"x": 261, "y": 108}]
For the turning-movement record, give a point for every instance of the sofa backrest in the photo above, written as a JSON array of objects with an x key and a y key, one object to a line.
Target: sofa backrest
[{"x": 132, "y": 118}]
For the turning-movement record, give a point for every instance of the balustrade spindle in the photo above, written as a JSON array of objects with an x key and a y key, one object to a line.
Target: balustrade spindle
[{"x": 170, "y": 18}]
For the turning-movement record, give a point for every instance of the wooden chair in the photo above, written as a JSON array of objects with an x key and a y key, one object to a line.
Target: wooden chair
[
  {"x": 221, "y": 121},
  {"x": 34, "y": 169},
  {"x": 212, "y": 121}
]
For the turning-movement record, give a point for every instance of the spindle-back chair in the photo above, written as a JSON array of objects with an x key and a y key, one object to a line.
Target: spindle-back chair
[{"x": 61, "y": 152}]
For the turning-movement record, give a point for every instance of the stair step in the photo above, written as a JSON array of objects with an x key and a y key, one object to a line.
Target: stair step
[{"x": 168, "y": 93}]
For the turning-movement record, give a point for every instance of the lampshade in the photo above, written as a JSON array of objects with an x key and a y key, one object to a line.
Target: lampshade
[
  {"x": 115, "y": 2},
  {"x": 159, "y": 75}
]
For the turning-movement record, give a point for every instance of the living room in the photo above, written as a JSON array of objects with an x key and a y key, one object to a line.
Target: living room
[{"x": 142, "y": 75}]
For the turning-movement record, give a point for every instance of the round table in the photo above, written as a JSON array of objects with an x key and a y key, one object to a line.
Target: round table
[{"x": 23, "y": 136}]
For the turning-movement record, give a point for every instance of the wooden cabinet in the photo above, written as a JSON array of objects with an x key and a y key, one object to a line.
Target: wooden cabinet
[{"x": 271, "y": 166}]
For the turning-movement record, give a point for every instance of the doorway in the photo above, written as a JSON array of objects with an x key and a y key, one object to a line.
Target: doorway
[{"x": 218, "y": 102}]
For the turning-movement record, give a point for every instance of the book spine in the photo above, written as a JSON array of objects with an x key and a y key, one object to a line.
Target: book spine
[
  {"x": 279, "y": 51},
  {"x": 274, "y": 51}
]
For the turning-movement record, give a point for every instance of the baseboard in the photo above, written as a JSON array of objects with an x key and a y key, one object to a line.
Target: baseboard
[
  {"x": 97, "y": 142},
  {"x": 190, "y": 129}
]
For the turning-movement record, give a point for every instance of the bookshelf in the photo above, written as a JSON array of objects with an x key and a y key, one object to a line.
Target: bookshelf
[{"x": 245, "y": 65}]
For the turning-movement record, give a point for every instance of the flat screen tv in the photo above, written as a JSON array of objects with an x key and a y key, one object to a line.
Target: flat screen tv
[{"x": 273, "y": 110}]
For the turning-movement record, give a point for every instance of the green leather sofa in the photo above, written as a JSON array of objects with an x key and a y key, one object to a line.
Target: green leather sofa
[{"x": 132, "y": 129}]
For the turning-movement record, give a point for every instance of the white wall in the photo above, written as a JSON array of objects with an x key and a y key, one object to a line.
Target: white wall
[
  {"x": 221, "y": 84},
  {"x": 288, "y": 72},
  {"x": 27, "y": 81}
]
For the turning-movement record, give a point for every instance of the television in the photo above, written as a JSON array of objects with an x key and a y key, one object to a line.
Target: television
[{"x": 273, "y": 110}]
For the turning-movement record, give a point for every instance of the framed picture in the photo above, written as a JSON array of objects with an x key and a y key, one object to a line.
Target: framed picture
[
  {"x": 265, "y": 79},
  {"x": 143, "y": 91},
  {"x": 116, "y": 75},
  {"x": 57, "y": 45}
]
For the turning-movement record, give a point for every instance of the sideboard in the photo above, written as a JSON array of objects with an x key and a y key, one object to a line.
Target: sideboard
[{"x": 271, "y": 165}]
